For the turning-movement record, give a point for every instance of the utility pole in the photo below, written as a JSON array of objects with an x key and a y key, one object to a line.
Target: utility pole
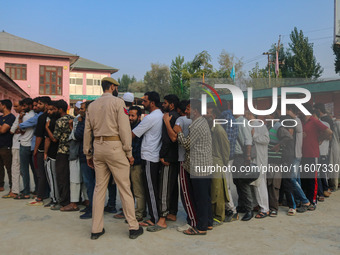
[{"x": 268, "y": 54}]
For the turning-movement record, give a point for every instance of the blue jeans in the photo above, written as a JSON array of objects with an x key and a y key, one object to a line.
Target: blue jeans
[
  {"x": 295, "y": 177},
  {"x": 26, "y": 161},
  {"x": 112, "y": 193},
  {"x": 89, "y": 178}
]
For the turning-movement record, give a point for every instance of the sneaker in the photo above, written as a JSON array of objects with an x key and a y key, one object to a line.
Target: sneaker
[
  {"x": 36, "y": 203},
  {"x": 87, "y": 215},
  {"x": 86, "y": 209},
  {"x": 183, "y": 228},
  {"x": 133, "y": 234},
  {"x": 110, "y": 209}
]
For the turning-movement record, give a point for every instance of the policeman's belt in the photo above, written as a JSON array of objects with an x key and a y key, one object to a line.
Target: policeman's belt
[{"x": 107, "y": 138}]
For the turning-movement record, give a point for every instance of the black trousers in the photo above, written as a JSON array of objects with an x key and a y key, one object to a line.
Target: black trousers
[
  {"x": 168, "y": 189},
  {"x": 323, "y": 175},
  {"x": 5, "y": 161},
  {"x": 63, "y": 178},
  {"x": 309, "y": 178},
  {"x": 187, "y": 196},
  {"x": 201, "y": 188},
  {"x": 151, "y": 181},
  {"x": 42, "y": 190}
]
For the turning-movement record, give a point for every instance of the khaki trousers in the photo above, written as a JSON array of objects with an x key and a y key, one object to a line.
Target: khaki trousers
[
  {"x": 108, "y": 158},
  {"x": 138, "y": 190}
]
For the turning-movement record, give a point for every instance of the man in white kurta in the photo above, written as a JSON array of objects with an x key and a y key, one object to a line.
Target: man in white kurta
[{"x": 259, "y": 187}]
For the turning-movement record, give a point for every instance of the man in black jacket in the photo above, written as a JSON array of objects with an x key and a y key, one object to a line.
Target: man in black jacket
[{"x": 168, "y": 156}]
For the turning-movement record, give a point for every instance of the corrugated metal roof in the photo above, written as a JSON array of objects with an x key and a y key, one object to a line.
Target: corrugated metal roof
[
  {"x": 86, "y": 64},
  {"x": 322, "y": 86},
  {"x": 12, "y": 43}
]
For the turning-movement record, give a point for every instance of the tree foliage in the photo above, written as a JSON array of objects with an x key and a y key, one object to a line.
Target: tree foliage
[
  {"x": 125, "y": 81},
  {"x": 298, "y": 61},
  {"x": 179, "y": 78},
  {"x": 301, "y": 62},
  {"x": 227, "y": 61},
  {"x": 137, "y": 86},
  {"x": 336, "y": 50},
  {"x": 158, "y": 79}
]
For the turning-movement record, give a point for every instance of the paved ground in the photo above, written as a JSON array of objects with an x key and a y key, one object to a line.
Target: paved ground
[{"x": 37, "y": 230}]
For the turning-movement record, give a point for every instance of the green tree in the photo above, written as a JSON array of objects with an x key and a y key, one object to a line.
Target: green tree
[
  {"x": 137, "y": 86},
  {"x": 200, "y": 64},
  {"x": 125, "y": 81},
  {"x": 300, "y": 59},
  {"x": 226, "y": 62},
  {"x": 158, "y": 79},
  {"x": 179, "y": 78},
  {"x": 336, "y": 50}
]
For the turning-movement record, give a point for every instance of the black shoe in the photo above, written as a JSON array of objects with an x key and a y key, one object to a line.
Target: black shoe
[
  {"x": 248, "y": 216},
  {"x": 86, "y": 209},
  {"x": 86, "y": 215},
  {"x": 95, "y": 236},
  {"x": 133, "y": 234},
  {"x": 49, "y": 204},
  {"x": 110, "y": 209}
]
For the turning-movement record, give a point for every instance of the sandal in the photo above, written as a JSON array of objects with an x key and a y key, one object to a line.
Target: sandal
[
  {"x": 155, "y": 228},
  {"x": 119, "y": 216},
  {"x": 69, "y": 208},
  {"x": 321, "y": 199},
  {"x": 10, "y": 195},
  {"x": 146, "y": 224},
  {"x": 291, "y": 212},
  {"x": 194, "y": 232},
  {"x": 273, "y": 213},
  {"x": 22, "y": 196},
  {"x": 216, "y": 222},
  {"x": 261, "y": 215}
]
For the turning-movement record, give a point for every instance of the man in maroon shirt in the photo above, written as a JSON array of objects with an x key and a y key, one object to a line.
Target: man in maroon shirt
[{"x": 313, "y": 133}]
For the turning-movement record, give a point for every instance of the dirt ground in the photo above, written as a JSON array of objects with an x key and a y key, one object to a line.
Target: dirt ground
[{"x": 37, "y": 230}]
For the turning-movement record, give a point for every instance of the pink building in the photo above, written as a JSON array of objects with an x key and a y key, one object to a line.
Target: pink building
[{"x": 42, "y": 70}]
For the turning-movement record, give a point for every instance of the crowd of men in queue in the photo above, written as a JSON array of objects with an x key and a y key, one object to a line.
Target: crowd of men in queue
[{"x": 167, "y": 145}]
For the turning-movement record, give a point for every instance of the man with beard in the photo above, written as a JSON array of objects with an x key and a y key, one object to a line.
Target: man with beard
[
  {"x": 38, "y": 152},
  {"x": 136, "y": 175},
  {"x": 6, "y": 121},
  {"x": 50, "y": 152},
  {"x": 15, "y": 154},
  {"x": 220, "y": 153},
  {"x": 168, "y": 156},
  {"x": 61, "y": 134},
  {"x": 198, "y": 154},
  {"x": 110, "y": 153},
  {"x": 87, "y": 172},
  {"x": 25, "y": 138},
  {"x": 151, "y": 130}
]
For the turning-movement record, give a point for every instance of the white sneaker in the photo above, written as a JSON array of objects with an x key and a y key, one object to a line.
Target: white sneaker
[{"x": 183, "y": 228}]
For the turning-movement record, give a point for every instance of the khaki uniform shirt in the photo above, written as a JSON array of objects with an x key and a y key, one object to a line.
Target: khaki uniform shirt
[{"x": 106, "y": 117}]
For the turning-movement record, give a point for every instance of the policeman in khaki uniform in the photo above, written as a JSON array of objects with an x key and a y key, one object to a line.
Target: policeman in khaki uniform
[{"x": 108, "y": 122}]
